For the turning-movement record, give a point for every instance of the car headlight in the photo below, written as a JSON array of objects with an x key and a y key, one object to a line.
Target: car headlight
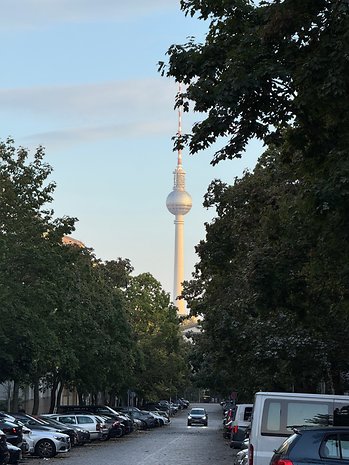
[
  {"x": 59, "y": 438},
  {"x": 189, "y": 416}
]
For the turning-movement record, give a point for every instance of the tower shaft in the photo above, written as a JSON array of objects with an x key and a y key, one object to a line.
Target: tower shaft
[{"x": 179, "y": 264}]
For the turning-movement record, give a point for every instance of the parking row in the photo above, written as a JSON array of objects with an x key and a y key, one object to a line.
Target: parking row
[{"x": 50, "y": 434}]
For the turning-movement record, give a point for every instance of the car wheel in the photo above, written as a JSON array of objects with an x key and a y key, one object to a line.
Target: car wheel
[
  {"x": 189, "y": 424},
  {"x": 45, "y": 448},
  {"x": 205, "y": 424}
]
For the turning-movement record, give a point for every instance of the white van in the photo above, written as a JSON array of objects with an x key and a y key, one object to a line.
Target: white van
[
  {"x": 240, "y": 422},
  {"x": 276, "y": 413}
]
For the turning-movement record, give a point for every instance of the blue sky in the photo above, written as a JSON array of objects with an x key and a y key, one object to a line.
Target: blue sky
[{"x": 80, "y": 78}]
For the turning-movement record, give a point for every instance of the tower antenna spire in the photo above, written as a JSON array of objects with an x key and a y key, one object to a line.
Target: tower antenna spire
[{"x": 180, "y": 109}]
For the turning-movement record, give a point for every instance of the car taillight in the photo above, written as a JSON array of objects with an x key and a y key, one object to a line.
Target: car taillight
[
  {"x": 281, "y": 462},
  {"x": 235, "y": 429},
  {"x": 250, "y": 454}
]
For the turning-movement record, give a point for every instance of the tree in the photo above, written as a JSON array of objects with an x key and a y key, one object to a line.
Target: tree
[
  {"x": 265, "y": 67},
  {"x": 276, "y": 71},
  {"x": 93, "y": 328},
  {"x": 29, "y": 237},
  {"x": 264, "y": 268},
  {"x": 161, "y": 368}
]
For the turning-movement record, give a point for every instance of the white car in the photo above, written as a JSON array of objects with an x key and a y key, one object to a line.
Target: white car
[
  {"x": 96, "y": 425},
  {"x": 46, "y": 444}
]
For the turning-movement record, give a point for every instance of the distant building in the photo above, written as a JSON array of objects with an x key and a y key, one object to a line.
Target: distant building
[{"x": 71, "y": 241}]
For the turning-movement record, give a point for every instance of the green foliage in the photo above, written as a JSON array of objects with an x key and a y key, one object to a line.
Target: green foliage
[
  {"x": 161, "y": 370},
  {"x": 266, "y": 66},
  {"x": 272, "y": 284},
  {"x": 272, "y": 280}
]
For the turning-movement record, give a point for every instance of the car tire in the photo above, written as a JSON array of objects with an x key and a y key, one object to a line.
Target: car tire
[
  {"x": 45, "y": 448},
  {"x": 205, "y": 424},
  {"x": 189, "y": 424}
]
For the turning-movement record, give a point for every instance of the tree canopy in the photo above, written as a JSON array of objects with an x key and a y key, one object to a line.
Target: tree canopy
[
  {"x": 272, "y": 279},
  {"x": 265, "y": 67}
]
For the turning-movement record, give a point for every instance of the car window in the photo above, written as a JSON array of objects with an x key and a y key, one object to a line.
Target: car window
[
  {"x": 273, "y": 420},
  {"x": 67, "y": 420},
  {"x": 344, "y": 441},
  {"x": 280, "y": 416},
  {"x": 247, "y": 413},
  {"x": 84, "y": 420},
  {"x": 330, "y": 447},
  {"x": 335, "y": 446}
]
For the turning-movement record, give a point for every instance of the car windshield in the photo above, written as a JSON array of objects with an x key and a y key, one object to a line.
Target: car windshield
[{"x": 197, "y": 411}]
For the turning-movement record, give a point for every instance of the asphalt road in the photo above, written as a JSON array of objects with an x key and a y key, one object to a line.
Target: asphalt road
[{"x": 175, "y": 444}]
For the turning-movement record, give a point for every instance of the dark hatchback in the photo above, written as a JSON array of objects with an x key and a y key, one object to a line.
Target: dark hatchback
[
  {"x": 197, "y": 416},
  {"x": 316, "y": 446},
  {"x": 12, "y": 431}
]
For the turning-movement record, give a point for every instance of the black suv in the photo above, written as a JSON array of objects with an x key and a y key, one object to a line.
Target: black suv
[{"x": 315, "y": 446}]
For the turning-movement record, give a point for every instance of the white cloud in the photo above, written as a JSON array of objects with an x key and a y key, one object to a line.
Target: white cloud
[
  {"x": 42, "y": 13},
  {"x": 92, "y": 103},
  {"x": 74, "y": 136},
  {"x": 63, "y": 116}
]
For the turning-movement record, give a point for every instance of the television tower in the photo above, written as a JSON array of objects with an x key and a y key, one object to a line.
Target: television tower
[{"x": 179, "y": 203}]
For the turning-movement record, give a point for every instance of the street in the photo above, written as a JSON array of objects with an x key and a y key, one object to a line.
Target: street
[{"x": 175, "y": 444}]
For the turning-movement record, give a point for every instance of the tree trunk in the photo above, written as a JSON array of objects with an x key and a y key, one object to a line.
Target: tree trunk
[
  {"x": 81, "y": 399},
  {"x": 337, "y": 381},
  {"x": 53, "y": 396},
  {"x": 59, "y": 395},
  {"x": 15, "y": 397},
  {"x": 35, "y": 409}
]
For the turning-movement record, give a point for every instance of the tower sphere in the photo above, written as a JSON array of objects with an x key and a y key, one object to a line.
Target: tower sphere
[{"x": 178, "y": 202}]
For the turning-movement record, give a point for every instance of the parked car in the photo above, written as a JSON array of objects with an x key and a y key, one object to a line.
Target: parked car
[
  {"x": 163, "y": 417},
  {"x": 228, "y": 422},
  {"x": 147, "y": 420},
  {"x": 70, "y": 430},
  {"x": 38, "y": 424},
  {"x": 276, "y": 413},
  {"x": 116, "y": 428},
  {"x": 314, "y": 445},
  {"x": 156, "y": 407},
  {"x": 127, "y": 423},
  {"x": 183, "y": 403},
  {"x": 45, "y": 443},
  {"x": 241, "y": 458},
  {"x": 101, "y": 410},
  {"x": 4, "y": 452},
  {"x": 240, "y": 424},
  {"x": 172, "y": 409},
  {"x": 160, "y": 420},
  {"x": 197, "y": 416},
  {"x": 15, "y": 454},
  {"x": 13, "y": 432},
  {"x": 95, "y": 425}
]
